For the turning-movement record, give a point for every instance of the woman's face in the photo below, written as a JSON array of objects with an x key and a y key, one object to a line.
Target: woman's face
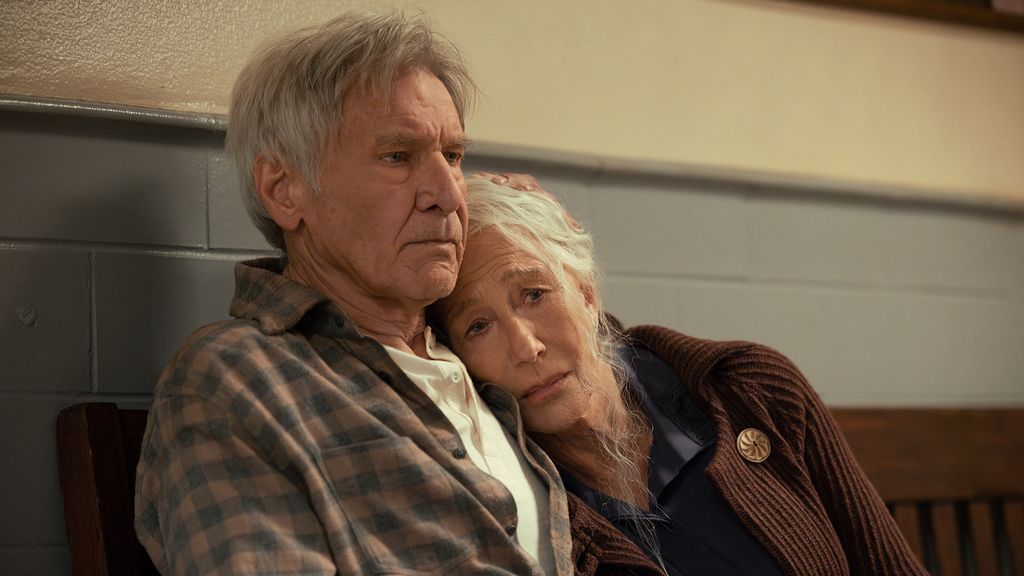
[{"x": 511, "y": 323}]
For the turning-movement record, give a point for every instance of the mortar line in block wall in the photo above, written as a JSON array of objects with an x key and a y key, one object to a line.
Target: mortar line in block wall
[
  {"x": 698, "y": 280},
  {"x": 32, "y": 547},
  {"x": 206, "y": 214},
  {"x": 946, "y": 400},
  {"x": 76, "y": 397},
  {"x": 94, "y": 370},
  {"x": 9, "y": 243}
]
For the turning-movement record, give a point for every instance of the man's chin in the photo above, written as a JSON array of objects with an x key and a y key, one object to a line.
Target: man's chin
[{"x": 438, "y": 282}]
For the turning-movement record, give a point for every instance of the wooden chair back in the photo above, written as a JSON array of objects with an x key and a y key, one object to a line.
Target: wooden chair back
[
  {"x": 953, "y": 479},
  {"x": 98, "y": 446}
]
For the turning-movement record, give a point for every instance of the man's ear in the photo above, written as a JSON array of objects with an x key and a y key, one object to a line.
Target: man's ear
[{"x": 281, "y": 190}]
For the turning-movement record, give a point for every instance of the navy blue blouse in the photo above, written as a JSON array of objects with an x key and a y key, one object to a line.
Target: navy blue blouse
[{"x": 696, "y": 533}]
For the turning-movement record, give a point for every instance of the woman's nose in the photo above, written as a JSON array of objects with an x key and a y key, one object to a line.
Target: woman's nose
[{"x": 524, "y": 342}]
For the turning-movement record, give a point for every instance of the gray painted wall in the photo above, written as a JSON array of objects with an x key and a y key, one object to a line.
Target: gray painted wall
[{"x": 117, "y": 239}]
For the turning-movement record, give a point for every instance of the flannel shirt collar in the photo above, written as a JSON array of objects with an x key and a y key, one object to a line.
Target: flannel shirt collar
[{"x": 277, "y": 304}]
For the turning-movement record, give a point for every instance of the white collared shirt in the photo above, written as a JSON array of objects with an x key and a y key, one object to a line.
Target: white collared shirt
[{"x": 444, "y": 379}]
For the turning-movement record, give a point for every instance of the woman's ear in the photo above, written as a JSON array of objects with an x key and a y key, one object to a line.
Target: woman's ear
[
  {"x": 281, "y": 190},
  {"x": 589, "y": 295}
]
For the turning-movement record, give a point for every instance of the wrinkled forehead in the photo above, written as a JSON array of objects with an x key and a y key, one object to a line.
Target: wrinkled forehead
[
  {"x": 379, "y": 89},
  {"x": 420, "y": 113},
  {"x": 492, "y": 256},
  {"x": 491, "y": 266}
]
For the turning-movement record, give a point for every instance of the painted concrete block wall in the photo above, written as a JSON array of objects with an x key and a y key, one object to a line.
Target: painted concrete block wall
[
  {"x": 109, "y": 261},
  {"x": 118, "y": 238}
]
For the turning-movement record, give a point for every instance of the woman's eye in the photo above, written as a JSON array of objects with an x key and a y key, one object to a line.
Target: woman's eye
[
  {"x": 476, "y": 327},
  {"x": 533, "y": 295}
]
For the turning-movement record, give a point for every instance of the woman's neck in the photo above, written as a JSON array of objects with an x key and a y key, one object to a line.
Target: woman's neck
[{"x": 585, "y": 449}]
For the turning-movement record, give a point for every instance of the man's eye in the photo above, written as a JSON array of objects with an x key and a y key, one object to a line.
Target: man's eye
[
  {"x": 533, "y": 295},
  {"x": 454, "y": 158},
  {"x": 396, "y": 157}
]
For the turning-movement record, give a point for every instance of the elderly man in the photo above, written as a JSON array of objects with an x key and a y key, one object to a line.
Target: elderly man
[{"x": 324, "y": 429}]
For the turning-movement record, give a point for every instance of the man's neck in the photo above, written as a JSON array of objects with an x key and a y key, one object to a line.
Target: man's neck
[{"x": 395, "y": 324}]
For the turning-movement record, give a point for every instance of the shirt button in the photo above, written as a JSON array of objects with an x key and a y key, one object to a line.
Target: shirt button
[
  {"x": 459, "y": 453},
  {"x": 456, "y": 376},
  {"x": 510, "y": 529}
]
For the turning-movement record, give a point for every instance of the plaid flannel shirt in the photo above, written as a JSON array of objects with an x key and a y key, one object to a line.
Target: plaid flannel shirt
[{"x": 283, "y": 442}]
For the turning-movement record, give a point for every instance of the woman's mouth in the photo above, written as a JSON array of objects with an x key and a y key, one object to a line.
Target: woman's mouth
[{"x": 545, "y": 388}]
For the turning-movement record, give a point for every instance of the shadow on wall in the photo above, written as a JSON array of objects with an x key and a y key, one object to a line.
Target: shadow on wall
[
  {"x": 133, "y": 199},
  {"x": 103, "y": 243}
]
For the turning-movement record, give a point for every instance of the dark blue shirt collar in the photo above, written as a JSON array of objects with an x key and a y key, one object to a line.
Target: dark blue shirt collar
[{"x": 673, "y": 447}]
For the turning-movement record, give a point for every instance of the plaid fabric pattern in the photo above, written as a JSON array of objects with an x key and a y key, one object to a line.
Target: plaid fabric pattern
[{"x": 283, "y": 442}]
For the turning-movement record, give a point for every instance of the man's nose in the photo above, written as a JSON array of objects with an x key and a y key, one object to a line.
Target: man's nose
[
  {"x": 440, "y": 186},
  {"x": 524, "y": 343}
]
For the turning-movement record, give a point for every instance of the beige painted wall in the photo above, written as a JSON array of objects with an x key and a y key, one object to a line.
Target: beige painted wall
[{"x": 760, "y": 86}]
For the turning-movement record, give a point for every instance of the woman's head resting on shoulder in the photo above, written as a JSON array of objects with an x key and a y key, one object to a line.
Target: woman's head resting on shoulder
[{"x": 525, "y": 313}]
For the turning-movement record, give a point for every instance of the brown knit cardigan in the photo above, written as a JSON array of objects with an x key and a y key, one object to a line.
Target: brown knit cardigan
[
  {"x": 809, "y": 504},
  {"x": 599, "y": 549}
]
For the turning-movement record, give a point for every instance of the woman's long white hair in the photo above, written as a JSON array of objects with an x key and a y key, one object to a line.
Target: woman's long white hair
[{"x": 538, "y": 224}]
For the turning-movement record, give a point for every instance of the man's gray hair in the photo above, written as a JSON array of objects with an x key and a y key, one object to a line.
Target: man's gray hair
[{"x": 286, "y": 103}]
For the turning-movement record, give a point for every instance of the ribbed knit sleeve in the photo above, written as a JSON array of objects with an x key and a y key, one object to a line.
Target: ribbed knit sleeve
[
  {"x": 599, "y": 549},
  {"x": 872, "y": 541},
  {"x": 809, "y": 503}
]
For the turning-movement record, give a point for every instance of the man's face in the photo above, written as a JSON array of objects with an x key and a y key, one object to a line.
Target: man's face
[{"x": 391, "y": 216}]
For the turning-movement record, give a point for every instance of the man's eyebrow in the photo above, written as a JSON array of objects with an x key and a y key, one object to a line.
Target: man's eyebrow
[
  {"x": 463, "y": 143},
  {"x": 400, "y": 139},
  {"x": 397, "y": 139}
]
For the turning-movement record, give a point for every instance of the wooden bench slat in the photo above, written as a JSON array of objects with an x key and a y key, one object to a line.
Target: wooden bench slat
[
  {"x": 98, "y": 447},
  {"x": 913, "y": 454},
  {"x": 947, "y": 539},
  {"x": 958, "y": 461},
  {"x": 986, "y": 551},
  {"x": 95, "y": 486},
  {"x": 909, "y": 521},
  {"x": 1013, "y": 512}
]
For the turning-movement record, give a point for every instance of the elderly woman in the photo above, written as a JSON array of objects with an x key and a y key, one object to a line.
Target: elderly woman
[{"x": 713, "y": 457}]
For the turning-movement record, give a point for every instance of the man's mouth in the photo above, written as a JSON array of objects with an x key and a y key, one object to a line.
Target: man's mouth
[{"x": 438, "y": 240}]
